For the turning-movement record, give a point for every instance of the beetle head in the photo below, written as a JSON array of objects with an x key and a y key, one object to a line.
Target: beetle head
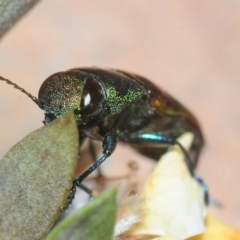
[{"x": 72, "y": 89}]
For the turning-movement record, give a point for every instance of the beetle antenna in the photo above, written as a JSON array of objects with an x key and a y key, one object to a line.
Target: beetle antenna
[{"x": 22, "y": 90}]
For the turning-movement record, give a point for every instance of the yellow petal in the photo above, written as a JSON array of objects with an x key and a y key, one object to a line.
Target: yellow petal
[
  {"x": 168, "y": 237},
  {"x": 174, "y": 200},
  {"x": 216, "y": 230}
]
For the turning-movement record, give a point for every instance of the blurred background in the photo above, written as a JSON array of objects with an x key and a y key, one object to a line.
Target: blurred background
[{"x": 191, "y": 49}]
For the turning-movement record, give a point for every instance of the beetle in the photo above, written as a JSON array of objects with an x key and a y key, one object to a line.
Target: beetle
[{"x": 113, "y": 105}]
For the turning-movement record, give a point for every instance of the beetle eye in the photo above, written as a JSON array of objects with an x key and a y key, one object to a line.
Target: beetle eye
[
  {"x": 48, "y": 118},
  {"x": 92, "y": 100}
]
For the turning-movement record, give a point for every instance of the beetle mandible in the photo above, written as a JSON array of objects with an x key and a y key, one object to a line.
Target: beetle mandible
[{"x": 114, "y": 105}]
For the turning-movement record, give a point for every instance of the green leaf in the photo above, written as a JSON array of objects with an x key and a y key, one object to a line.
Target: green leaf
[
  {"x": 93, "y": 222},
  {"x": 35, "y": 178}
]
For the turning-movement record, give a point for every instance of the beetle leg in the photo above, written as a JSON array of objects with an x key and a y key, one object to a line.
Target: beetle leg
[
  {"x": 109, "y": 144},
  {"x": 207, "y": 199},
  {"x": 161, "y": 139},
  {"x": 156, "y": 139},
  {"x": 94, "y": 158},
  {"x": 72, "y": 193}
]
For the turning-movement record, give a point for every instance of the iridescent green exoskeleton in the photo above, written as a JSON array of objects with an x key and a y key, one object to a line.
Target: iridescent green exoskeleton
[{"x": 113, "y": 105}]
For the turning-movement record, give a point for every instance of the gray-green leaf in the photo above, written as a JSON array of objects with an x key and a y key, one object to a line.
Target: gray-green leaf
[{"x": 35, "y": 178}]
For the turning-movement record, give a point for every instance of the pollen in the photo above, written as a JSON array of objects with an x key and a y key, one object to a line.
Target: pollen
[{"x": 155, "y": 103}]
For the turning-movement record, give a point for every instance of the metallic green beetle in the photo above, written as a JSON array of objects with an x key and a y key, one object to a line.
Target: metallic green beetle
[{"x": 113, "y": 105}]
